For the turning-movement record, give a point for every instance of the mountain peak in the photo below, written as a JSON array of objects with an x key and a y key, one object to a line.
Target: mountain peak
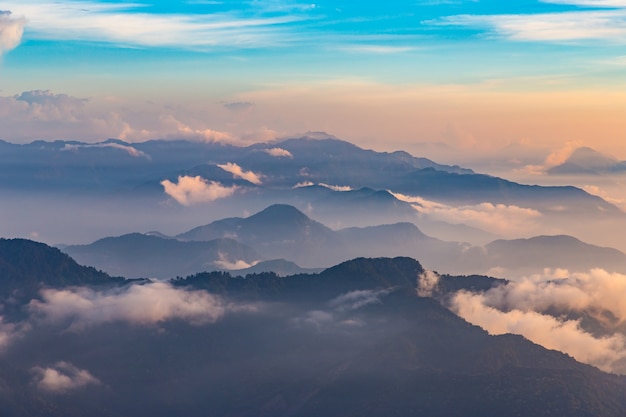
[{"x": 280, "y": 212}]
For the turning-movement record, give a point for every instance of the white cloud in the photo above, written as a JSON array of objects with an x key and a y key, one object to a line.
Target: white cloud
[
  {"x": 427, "y": 283},
  {"x": 500, "y": 219},
  {"x": 11, "y": 31},
  {"x": 304, "y": 184},
  {"x": 192, "y": 190},
  {"x": 566, "y": 336},
  {"x": 176, "y": 129},
  {"x": 147, "y": 304},
  {"x": 340, "y": 188},
  {"x": 535, "y": 307},
  {"x": 225, "y": 263},
  {"x": 63, "y": 377},
  {"x": 237, "y": 171},
  {"x": 608, "y": 25},
  {"x": 131, "y": 24},
  {"x": 279, "y": 152},
  {"x": 126, "y": 148}
]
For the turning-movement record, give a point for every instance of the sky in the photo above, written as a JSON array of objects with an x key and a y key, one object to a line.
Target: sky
[{"x": 519, "y": 80}]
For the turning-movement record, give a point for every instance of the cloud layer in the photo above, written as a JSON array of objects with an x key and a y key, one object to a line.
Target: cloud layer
[
  {"x": 191, "y": 190},
  {"x": 501, "y": 219},
  {"x": 148, "y": 304},
  {"x": 550, "y": 311}
]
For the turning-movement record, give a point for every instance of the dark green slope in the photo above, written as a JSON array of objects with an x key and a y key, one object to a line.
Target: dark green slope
[{"x": 26, "y": 266}]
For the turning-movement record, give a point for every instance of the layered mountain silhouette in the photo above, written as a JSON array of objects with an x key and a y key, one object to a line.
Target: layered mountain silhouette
[
  {"x": 138, "y": 255},
  {"x": 353, "y": 340},
  {"x": 286, "y": 236},
  {"x": 139, "y": 168}
]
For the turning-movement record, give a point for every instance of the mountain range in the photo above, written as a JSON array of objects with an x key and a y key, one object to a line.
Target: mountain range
[
  {"x": 282, "y": 232},
  {"x": 353, "y": 340}
]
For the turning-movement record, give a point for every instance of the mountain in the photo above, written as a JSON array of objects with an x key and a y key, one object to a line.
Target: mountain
[
  {"x": 587, "y": 161},
  {"x": 137, "y": 170},
  {"x": 281, "y": 267},
  {"x": 152, "y": 256},
  {"x": 561, "y": 251},
  {"x": 27, "y": 266},
  {"x": 282, "y": 232},
  {"x": 279, "y": 231},
  {"x": 353, "y": 340}
]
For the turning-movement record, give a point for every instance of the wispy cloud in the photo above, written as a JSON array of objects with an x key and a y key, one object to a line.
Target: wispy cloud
[
  {"x": 145, "y": 305},
  {"x": 132, "y": 25},
  {"x": 608, "y": 24},
  {"x": 191, "y": 190},
  {"x": 134, "y": 152},
  {"x": 237, "y": 171},
  {"x": 340, "y": 188},
  {"x": 501, "y": 219}
]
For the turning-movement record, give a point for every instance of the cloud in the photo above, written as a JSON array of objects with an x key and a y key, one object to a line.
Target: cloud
[
  {"x": 341, "y": 188},
  {"x": 549, "y": 312},
  {"x": 11, "y": 31},
  {"x": 279, "y": 152},
  {"x": 607, "y": 25},
  {"x": 427, "y": 283},
  {"x": 176, "y": 129},
  {"x": 145, "y": 305},
  {"x": 126, "y": 148},
  {"x": 131, "y": 24},
  {"x": 9, "y": 331},
  {"x": 43, "y": 114},
  {"x": 224, "y": 263},
  {"x": 356, "y": 299},
  {"x": 339, "y": 309},
  {"x": 63, "y": 377},
  {"x": 501, "y": 219},
  {"x": 304, "y": 184},
  {"x": 192, "y": 190},
  {"x": 556, "y": 157},
  {"x": 237, "y": 171}
]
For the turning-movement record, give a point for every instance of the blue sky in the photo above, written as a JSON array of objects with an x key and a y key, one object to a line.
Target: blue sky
[{"x": 471, "y": 75}]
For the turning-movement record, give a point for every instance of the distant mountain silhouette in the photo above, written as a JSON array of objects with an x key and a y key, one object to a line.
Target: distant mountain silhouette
[
  {"x": 282, "y": 231},
  {"x": 553, "y": 252},
  {"x": 137, "y": 170},
  {"x": 587, "y": 161},
  {"x": 148, "y": 256},
  {"x": 281, "y": 267}
]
